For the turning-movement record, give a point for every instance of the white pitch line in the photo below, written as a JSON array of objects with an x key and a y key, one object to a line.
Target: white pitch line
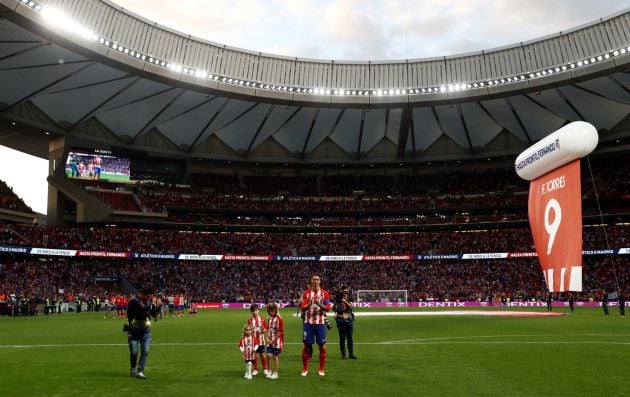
[
  {"x": 406, "y": 341},
  {"x": 497, "y": 313},
  {"x": 509, "y": 343},
  {"x": 427, "y": 341}
]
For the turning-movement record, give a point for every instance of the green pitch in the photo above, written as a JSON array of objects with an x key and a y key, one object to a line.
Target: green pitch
[
  {"x": 105, "y": 176},
  {"x": 583, "y": 354}
]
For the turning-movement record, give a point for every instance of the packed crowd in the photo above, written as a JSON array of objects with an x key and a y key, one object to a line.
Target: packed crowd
[
  {"x": 462, "y": 190},
  {"x": 489, "y": 195},
  {"x": 321, "y": 220},
  {"x": 237, "y": 243},
  {"x": 39, "y": 278},
  {"x": 42, "y": 278},
  {"x": 9, "y": 200}
]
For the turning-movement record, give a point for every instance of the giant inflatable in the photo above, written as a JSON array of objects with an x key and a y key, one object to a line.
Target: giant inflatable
[{"x": 555, "y": 201}]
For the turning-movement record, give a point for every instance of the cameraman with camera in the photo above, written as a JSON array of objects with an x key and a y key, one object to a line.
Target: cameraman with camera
[
  {"x": 344, "y": 317},
  {"x": 140, "y": 308}
]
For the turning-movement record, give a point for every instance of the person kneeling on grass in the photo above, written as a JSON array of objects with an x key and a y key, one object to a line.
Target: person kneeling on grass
[{"x": 275, "y": 340}]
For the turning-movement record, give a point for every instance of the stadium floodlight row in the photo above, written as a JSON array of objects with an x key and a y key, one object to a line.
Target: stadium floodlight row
[{"x": 128, "y": 38}]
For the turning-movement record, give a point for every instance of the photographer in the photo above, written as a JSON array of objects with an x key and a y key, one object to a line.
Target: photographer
[
  {"x": 344, "y": 317},
  {"x": 139, "y": 310}
]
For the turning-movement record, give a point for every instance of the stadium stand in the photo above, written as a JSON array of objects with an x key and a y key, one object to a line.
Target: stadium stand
[
  {"x": 9, "y": 200},
  {"x": 180, "y": 204}
]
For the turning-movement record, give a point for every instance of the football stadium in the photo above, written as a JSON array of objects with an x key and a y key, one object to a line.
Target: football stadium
[{"x": 220, "y": 220}]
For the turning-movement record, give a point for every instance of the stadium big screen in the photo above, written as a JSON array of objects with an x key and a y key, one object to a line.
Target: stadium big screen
[{"x": 97, "y": 165}]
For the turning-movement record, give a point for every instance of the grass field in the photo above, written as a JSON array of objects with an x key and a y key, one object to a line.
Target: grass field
[
  {"x": 105, "y": 176},
  {"x": 582, "y": 354}
]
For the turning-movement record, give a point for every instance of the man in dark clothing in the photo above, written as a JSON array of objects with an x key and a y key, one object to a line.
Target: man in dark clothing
[
  {"x": 605, "y": 303},
  {"x": 345, "y": 322},
  {"x": 571, "y": 301},
  {"x": 622, "y": 303},
  {"x": 139, "y": 310}
]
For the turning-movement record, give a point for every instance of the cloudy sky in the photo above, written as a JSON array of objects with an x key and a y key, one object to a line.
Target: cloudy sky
[{"x": 343, "y": 30}]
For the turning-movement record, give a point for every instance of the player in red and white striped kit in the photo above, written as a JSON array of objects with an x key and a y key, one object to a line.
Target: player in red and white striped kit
[
  {"x": 248, "y": 346},
  {"x": 315, "y": 304},
  {"x": 275, "y": 340},
  {"x": 260, "y": 327}
]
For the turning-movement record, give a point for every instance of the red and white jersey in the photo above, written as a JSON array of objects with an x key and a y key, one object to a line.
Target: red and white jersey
[
  {"x": 276, "y": 328},
  {"x": 177, "y": 301},
  {"x": 248, "y": 346},
  {"x": 260, "y": 326},
  {"x": 314, "y": 314}
]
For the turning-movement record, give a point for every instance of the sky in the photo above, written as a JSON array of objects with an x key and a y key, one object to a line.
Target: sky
[{"x": 343, "y": 30}]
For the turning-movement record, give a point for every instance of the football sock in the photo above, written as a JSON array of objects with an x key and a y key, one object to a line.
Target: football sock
[
  {"x": 322, "y": 357},
  {"x": 305, "y": 357}
]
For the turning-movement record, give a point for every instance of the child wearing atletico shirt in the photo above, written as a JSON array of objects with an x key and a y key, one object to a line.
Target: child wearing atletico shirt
[
  {"x": 260, "y": 327},
  {"x": 275, "y": 340},
  {"x": 248, "y": 345}
]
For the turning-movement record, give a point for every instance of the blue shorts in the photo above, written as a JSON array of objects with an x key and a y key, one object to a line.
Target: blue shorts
[
  {"x": 273, "y": 350},
  {"x": 260, "y": 349},
  {"x": 314, "y": 333}
]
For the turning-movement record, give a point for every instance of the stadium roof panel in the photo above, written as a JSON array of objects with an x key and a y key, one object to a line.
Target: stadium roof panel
[{"x": 206, "y": 101}]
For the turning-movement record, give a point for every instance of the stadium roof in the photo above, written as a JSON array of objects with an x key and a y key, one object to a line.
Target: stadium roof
[{"x": 102, "y": 76}]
